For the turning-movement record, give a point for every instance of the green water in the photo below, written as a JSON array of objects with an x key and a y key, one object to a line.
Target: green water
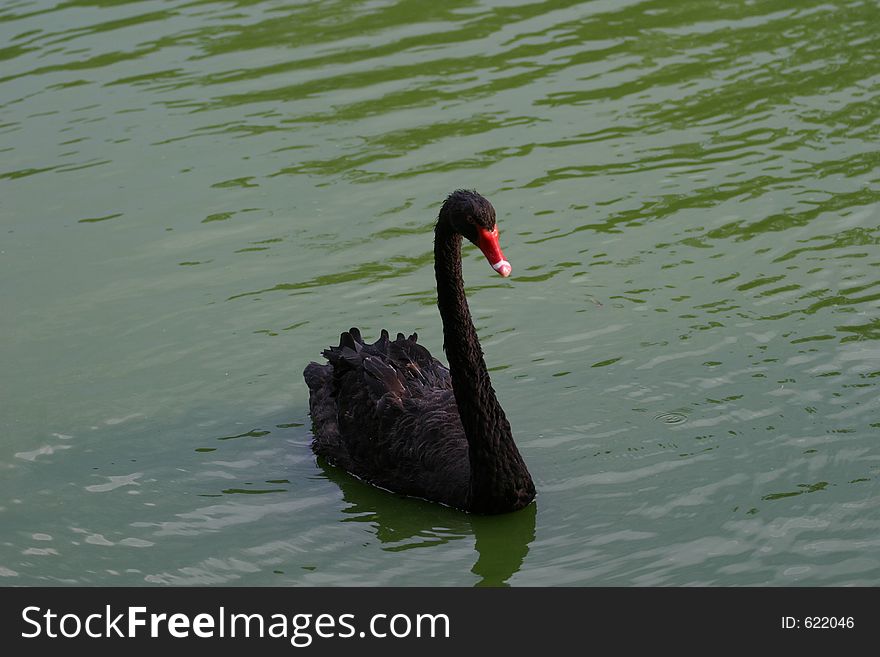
[{"x": 197, "y": 197}]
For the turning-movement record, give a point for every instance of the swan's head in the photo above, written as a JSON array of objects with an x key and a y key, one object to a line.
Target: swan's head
[{"x": 473, "y": 217}]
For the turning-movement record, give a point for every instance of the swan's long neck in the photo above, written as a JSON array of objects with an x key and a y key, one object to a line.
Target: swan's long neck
[{"x": 499, "y": 479}]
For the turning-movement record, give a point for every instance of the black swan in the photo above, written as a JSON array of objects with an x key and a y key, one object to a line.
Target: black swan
[{"x": 394, "y": 416}]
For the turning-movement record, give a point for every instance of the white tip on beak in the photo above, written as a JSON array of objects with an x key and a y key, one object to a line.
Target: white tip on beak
[{"x": 502, "y": 267}]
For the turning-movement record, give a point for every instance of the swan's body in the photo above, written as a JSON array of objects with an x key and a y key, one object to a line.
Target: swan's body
[{"x": 393, "y": 415}]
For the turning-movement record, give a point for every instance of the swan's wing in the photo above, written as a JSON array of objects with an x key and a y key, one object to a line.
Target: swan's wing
[
  {"x": 394, "y": 419},
  {"x": 402, "y": 368},
  {"x": 376, "y": 384}
]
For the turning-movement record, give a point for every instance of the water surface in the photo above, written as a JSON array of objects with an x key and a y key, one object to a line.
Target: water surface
[{"x": 197, "y": 197}]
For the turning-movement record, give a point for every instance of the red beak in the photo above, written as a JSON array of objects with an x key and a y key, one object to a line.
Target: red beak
[{"x": 488, "y": 243}]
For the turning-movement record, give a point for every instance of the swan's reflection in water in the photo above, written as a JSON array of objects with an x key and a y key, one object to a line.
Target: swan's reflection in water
[
  {"x": 502, "y": 544},
  {"x": 402, "y": 523}
]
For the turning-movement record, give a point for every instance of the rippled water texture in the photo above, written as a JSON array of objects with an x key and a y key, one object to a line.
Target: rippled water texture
[{"x": 197, "y": 197}]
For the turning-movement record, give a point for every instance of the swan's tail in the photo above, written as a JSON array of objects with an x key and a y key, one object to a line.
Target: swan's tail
[{"x": 317, "y": 376}]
